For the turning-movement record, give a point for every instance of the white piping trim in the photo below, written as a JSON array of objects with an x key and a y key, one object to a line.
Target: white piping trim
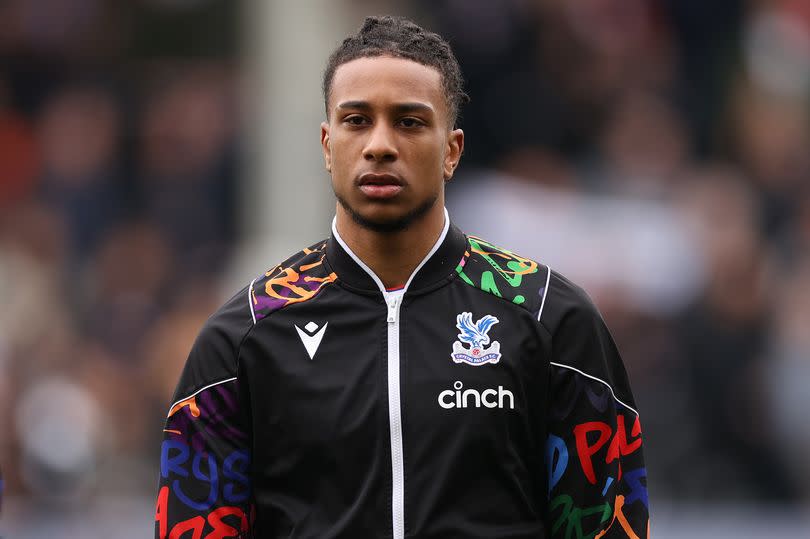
[
  {"x": 598, "y": 380},
  {"x": 432, "y": 250},
  {"x": 199, "y": 391},
  {"x": 545, "y": 293},
  {"x": 356, "y": 258},
  {"x": 250, "y": 300},
  {"x": 371, "y": 273}
]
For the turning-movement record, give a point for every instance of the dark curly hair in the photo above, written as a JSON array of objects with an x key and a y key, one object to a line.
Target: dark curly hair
[{"x": 401, "y": 38}]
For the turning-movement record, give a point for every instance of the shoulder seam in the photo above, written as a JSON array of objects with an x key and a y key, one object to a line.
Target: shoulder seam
[
  {"x": 598, "y": 380},
  {"x": 545, "y": 291},
  {"x": 250, "y": 300},
  {"x": 198, "y": 392}
]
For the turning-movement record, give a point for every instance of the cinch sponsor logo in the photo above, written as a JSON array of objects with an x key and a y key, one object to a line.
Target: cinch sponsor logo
[{"x": 472, "y": 398}]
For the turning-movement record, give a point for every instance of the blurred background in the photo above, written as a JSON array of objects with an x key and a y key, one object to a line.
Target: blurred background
[{"x": 156, "y": 155}]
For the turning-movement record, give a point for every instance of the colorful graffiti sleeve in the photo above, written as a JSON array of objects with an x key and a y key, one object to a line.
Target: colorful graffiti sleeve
[
  {"x": 204, "y": 490},
  {"x": 597, "y": 482}
]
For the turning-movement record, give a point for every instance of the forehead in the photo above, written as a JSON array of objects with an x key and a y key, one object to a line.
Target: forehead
[{"x": 381, "y": 79}]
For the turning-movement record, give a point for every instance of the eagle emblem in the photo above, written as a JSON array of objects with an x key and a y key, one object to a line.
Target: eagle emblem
[{"x": 476, "y": 336}]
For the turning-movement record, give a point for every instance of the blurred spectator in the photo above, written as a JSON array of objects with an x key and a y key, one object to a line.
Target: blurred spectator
[
  {"x": 32, "y": 254},
  {"x": 79, "y": 131},
  {"x": 187, "y": 153},
  {"x": 98, "y": 227},
  {"x": 638, "y": 250},
  {"x": 771, "y": 138},
  {"x": 706, "y": 44},
  {"x": 787, "y": 375},
  {"x": 643, "y": 148},
  {"x": 776, "y": 44},
  {"x": 723, "y": 344},
  {"x": 18, "y": 153},
  {"x": 60, "y": 427},
  {"x": 125, "y": 287}
]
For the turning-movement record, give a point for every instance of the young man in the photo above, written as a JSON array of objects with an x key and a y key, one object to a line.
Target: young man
[{"x": 401, "y": 379}]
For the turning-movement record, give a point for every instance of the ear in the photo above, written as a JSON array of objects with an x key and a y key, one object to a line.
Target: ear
[
  {"x": 327, "y": 150},
  {"x": 455, "y": 147}
]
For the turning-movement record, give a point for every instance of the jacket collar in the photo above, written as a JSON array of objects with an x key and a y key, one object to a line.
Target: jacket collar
[{"x": 439, "y": 264}]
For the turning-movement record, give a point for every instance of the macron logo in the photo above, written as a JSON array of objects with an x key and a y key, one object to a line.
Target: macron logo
[{"x": 311, "y": 336}]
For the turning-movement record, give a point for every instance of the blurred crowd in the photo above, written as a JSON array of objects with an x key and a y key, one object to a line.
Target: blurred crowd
[
  {"x": 655, "y": 151},
  {"x": 118, "y": 172}
]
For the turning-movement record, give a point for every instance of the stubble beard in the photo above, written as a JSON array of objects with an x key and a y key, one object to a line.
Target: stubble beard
[{"x": 390, "y": 226}]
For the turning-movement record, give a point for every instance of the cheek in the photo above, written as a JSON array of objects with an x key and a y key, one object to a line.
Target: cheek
[
  {"x": 347, "y": 148},
  {"x": 338, "y": 153},
  {"x": 432, "y": 156}
]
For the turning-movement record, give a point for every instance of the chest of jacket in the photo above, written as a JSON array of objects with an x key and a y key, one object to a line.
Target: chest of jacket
[{"x": 471, "y": 378}]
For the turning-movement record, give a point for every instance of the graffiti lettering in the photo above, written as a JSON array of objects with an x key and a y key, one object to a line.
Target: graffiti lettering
[
  {"x": 638, "y": 490},
  {"x": 586, "y": 450},
  {"x": 619, "y": 516},
  {"x": 576, "y": 518},
  {"x": 174, "y": 457},
  {"x": 196, "y": 525},
  {"x": 235, "y": 467},
  {"x": 556, "y": 459}
]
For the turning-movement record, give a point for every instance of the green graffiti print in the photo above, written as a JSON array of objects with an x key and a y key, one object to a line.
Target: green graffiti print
[
  {"x": 508, "y": 266},
  {"x": 573, "y": 518}
]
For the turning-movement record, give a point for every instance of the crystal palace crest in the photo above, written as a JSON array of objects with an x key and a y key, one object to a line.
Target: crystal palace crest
[{"x": 471, "y": 346}]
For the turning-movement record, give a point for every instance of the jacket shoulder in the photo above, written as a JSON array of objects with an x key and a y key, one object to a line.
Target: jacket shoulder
[
  {"x": 566, "y": 302},
  {"x": 504, "y": 274},
  {"x": 296, "y": 280},
  {"x": 546, "y": 293},
  {"x": 215, "y": 354}
]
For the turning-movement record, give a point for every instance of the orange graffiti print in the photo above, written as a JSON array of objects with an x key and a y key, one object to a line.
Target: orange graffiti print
[
  {"x": 191, "y": 402},
  {"x": 290, "y": 280},
  {"x": 618, "y": 514},
  {"x": 296, "y": 281}
]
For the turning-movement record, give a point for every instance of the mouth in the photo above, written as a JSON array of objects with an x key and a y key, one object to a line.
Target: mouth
[{"x": 380, "y": 186}]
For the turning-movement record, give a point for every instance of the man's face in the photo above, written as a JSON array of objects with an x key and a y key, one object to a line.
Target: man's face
[{"x": 388, "y": 142}]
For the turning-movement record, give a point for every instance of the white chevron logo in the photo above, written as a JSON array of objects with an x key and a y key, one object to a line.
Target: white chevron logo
[{"x": 310, "y": 338}]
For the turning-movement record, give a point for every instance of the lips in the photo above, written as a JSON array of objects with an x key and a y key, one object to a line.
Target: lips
[
  {"x": 380, "y": 186},
  {"x": 370, "y": 178}
]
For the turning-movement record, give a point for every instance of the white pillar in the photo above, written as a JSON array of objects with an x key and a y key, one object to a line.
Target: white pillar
[{"x": 286, "y": 200}]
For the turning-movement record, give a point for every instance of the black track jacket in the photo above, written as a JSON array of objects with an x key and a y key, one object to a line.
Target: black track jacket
[{"x": 486, "y": 399}]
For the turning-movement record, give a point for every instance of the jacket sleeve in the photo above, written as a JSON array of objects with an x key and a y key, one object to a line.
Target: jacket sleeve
[
  {"x": 205, "y": 457},
  {"x": 597, "y": 482}
]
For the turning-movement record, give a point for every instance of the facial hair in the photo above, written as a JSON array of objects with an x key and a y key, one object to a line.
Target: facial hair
[{"x": 392, "y": 226}]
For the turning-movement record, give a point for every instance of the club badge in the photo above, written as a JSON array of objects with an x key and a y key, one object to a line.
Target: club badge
[{"x": 475, "y": 336}]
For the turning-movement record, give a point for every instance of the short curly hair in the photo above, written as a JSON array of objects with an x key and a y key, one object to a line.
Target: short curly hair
[{"x": 401, "y": 38}]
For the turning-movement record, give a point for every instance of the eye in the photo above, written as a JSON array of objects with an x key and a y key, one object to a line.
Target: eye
[
  {"x": 411, "y": 122},
  {"x": 355, "y": 120}
]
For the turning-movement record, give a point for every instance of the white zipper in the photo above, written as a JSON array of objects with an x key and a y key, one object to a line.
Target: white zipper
[
  {"x": 393, "y": 301},
  {"x": 395, "y": 417}
]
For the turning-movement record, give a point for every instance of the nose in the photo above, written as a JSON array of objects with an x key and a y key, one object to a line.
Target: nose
[{"x": 380, "y": 145}]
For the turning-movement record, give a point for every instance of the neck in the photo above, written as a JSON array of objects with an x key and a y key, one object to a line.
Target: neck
[{"x": 393, "y": 257}]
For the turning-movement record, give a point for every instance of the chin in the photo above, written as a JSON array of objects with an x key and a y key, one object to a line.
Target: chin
[{"x": 391, "y": 221}]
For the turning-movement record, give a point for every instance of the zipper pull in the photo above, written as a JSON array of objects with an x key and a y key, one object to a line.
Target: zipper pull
[{"x": 392, "y": 309}]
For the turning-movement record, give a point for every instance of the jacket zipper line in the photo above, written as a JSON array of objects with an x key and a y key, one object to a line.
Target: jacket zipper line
[
  {"x": 393, "y": 301},
  {"x": 395, "y": 418}
]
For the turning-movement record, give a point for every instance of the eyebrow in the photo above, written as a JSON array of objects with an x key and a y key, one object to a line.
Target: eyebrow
[{"x": 400, "y": 108}]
